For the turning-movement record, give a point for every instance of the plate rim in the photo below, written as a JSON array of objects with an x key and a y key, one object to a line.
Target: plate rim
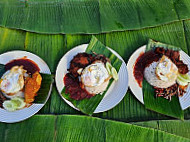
[
  {"x": 49, "y": 93},
  {"x": 142, "y": 49},
  {"x": 85, "y": 46}
]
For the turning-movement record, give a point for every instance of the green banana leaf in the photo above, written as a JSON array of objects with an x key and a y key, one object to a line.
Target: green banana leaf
[
  {"x": 137, "y": 20},
  {"x": 79, "y": 128},
  {"x": 161, "y": 105},
  {"x": 52, "y": 47},
  {"x": 90, "y": 16},
  {"x": 154, "y": 44},
  {"x": 170, "y": 108},
  {"x": 2, "y": 70},
  {"x": 44, "y": 91},
  {"x": 88, "y": 106},
  {"x": 175, "y": 127}
]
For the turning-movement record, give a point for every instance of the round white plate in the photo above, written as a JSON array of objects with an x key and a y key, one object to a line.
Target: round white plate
[
  {"x": 116, "y": 91},
  {"x": 20, "y": 115},
  {"x": 137, "y": 90}
]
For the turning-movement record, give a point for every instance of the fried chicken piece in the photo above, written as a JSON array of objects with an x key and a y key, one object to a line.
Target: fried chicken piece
[
  {"x": 32, "y": 86},
  {"x": 175, "y": 56},
  {"x": 159, "y": 50},
  {"x": 81, "y": 60},
  {"x": 168, "y": 53},
  {"x": 182, "y": 68}
]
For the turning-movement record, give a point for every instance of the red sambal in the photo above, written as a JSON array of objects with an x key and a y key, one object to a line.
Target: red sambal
[
  {"x": 72, "y": 84},
  {"x": 27, "y": 64},
  {"x": 147, "y": 58},
  {"x": 142, "y": 62},
  {"x": 73, "y": 87}
]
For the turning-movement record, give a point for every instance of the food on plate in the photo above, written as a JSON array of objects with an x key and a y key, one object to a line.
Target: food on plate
[
  {"x": 32, "y": 86},
  {"x": 19, "y": 84},
  {"x": 163, "y": 69},
  {"x": 161, "y": 74},
  {"x": 88, "y": 75},
  {"x": 14, "y": 104},
  {"x": 12, "y": 80},
  {"x": 144, "y": 60}
]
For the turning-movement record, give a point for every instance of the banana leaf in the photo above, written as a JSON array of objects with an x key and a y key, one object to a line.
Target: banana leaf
[
  {"x": 175, "y": 127},
  {"x": 49, "y": 47},
  {"x": 83, "y": 129},
  {"x": 90, "y": 16},
  {"x": 2, "y": 70},
  {"x": 125, "y": 43},
  {"x": 88, "y": 106},
  {"x": 38, "y": 128},
  {"x": 161, "y": 105},
  {"x": 106, "y": 130},
  {"x": 171, "y": 108},
  {"x": 43, "y": 93},
  {"x": 152, "y": 45},
  {"x": 52, "y": 47},
  {"x": 45, "y": 89}
]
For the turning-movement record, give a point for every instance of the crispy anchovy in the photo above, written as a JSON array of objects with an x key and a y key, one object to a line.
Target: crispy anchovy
[{"x": 167, "y": 93}]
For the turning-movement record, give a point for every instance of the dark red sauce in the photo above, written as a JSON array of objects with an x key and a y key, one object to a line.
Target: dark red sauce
[
  {"x": 73, "y": 87},
  {"x": 27, "y": 64},
  {"x": 143, "y": 61}
]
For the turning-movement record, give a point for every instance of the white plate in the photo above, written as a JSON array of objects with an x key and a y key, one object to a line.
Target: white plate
[
  {"x": 116, "y": 91},
  {"x": 137, "y": 90},
  {"x": 20, "y": 115}
]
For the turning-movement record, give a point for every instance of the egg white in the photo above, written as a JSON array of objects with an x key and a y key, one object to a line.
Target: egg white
[
  {"x": 13, "y": 81},
  {"x": 95, "y": 74},
  {"x": 166, "y": 70}
]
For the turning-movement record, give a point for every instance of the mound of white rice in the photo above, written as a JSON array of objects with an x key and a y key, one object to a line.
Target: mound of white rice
[
  {"x": 97, "y": 89},
  {"x": 151, "y": 77}
]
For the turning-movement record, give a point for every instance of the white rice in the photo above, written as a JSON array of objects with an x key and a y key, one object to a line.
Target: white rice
[
  {"x": 151, "y": 77},
  {"x": 97, "y": 89}
]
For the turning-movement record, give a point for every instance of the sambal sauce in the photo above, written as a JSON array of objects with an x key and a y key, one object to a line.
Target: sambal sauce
[
  {"x": 73, "y": 87},
  {"x": 27, "y": 64},
  {"x": 142, "y": 62}
]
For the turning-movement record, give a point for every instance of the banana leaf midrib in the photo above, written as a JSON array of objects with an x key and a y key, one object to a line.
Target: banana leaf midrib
[
  {"x": 102, "y": 129},
  {"x": 125, "y": 43},
  {"x": 107, "y": 16}
]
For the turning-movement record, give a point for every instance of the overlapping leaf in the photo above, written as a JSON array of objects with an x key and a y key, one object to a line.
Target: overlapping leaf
[
  {"x": 52, "y": 47},
  {"x": 90, "y": 16},
  {"x": 70, "y": 128},
  {"x": 88, "y": 106}
]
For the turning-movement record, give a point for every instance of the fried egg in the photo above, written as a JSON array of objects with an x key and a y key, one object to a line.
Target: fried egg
[
  {"x": 166, "y": 70},
  {"x": 94, "y": 74},
  {"x": 13, "y": 80}
]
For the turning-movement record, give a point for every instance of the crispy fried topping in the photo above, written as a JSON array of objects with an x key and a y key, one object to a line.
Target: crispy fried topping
[{"x": 32, "y": 86}]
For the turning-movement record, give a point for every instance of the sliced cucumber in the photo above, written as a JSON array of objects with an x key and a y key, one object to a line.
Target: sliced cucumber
[
  {"x": 112, "y": 71},
  {"x": 108, "y": 67},
  {"x": 185, "y": 77},
  {"x": 19, "y": 102},
  {"x": 9, "y": 105},
  {"x": 181, "y": 81},
  {"x": 114, "y": 74}
]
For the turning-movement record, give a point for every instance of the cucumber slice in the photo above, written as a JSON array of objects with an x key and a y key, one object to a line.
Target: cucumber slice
[
  {"x": 19, "y": 102},
  {"x": 181, "y": 82},
  {"x": 108, "y": 67},
  {"x": 181, "y": 79},
  {"x": 185, "y": 77},
  {"x": 9, "y": 105},
  {"x": 114, "y": 74}
]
